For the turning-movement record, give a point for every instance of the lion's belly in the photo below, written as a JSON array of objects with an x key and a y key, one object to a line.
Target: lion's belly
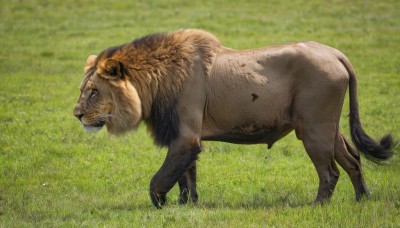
[
  {"x": 234, "y": 121},
  {"x": 249, "y": 134}
]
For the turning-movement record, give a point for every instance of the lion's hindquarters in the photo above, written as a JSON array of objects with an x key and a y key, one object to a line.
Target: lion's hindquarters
[{"x": 317, "y": 107}]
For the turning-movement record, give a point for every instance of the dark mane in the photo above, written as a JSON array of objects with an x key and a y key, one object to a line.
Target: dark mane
[
  {"x": 164, "y": 119},
  {"x": 149, "y": 41},
  {"x": 164, "y": 123}
]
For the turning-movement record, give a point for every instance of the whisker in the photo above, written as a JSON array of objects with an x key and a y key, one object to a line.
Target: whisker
[{"x": 94, "y": 118}]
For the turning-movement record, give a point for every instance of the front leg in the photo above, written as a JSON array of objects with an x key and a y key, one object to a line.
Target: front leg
[
  {"x": 187, "y": 186},
  {"x": 182, "y": 153}
]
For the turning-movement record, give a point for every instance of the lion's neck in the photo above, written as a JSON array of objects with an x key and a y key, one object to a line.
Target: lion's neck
[{"x": 160, "y": 64}]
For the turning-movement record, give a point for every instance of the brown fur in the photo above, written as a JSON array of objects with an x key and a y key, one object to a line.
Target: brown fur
[{"x": 186, "y": 87}]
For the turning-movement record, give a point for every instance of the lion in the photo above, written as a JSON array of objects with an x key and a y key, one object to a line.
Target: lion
[{"x": 188, "y": 88}]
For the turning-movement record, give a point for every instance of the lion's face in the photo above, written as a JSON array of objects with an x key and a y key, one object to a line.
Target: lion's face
[{"x": 107, "y": 98}]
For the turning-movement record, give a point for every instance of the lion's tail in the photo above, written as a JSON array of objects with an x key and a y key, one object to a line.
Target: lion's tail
[{"x": 369, "y": 147}]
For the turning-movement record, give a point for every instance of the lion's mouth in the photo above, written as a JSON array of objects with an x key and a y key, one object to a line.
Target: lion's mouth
[
  {"x": 99, "y": 124},
  {"x": 94, "y": 127}
]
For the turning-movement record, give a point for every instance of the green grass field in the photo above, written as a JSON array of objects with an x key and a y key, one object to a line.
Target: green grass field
[{"x": 54, "y": 174}]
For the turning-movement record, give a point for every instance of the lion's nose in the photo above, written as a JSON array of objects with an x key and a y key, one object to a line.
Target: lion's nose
[
  {"x": 79, "y": 115},
  {"x": 78, "y": 112}
]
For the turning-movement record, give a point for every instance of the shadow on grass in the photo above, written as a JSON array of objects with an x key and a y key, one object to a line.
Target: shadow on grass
[
  {"x": 255, "y": 202},
  {"x": 274, "y": 200},
  {"x": 259, "y": 202}
]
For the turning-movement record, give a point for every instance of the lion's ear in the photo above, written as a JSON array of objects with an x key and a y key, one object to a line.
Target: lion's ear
[
  {"x": 111, "y": 69},
  {"x": 89, "y": 63},
  {"x": 90, "y": 60}
]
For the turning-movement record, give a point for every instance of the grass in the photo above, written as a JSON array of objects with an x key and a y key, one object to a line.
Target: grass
[{"x": 54, "y": 174}]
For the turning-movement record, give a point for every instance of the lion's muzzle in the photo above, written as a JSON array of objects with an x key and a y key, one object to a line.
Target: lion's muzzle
[{"x": 88, "y": 127}]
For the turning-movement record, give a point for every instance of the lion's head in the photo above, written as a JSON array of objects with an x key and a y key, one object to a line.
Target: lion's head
[
  {"x": 142, "y": 80},
  {"x": 107, "y": 98}
]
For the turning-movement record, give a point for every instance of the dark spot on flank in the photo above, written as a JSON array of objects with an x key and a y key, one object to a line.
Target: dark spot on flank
[
  {"x": 242, "y": 65},
  {"x": 255, "y": 96}
]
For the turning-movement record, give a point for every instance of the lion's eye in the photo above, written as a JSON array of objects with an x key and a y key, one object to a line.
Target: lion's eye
[{"x": 94, "y": 93}]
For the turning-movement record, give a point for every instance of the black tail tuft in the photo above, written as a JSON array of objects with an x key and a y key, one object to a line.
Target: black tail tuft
[
  {"x": 371, "y": 149},
  {"x": 387, "y": 142}
]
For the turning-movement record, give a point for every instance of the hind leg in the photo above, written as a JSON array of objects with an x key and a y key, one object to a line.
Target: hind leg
[
  {"x": 334, "y": 177},
  {"x": 187, "y": 186},
  {"x": 349, "y": 160},
  {"x": 319, "y": 141}
]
